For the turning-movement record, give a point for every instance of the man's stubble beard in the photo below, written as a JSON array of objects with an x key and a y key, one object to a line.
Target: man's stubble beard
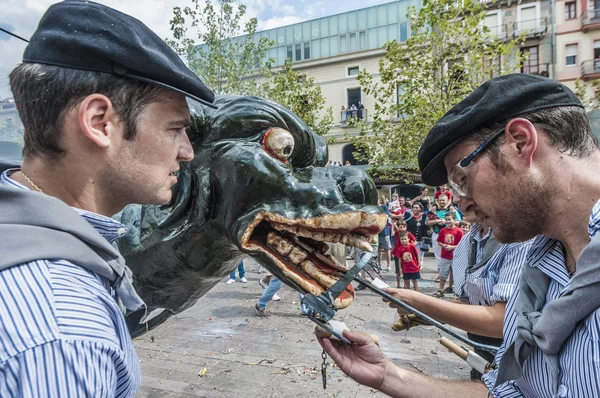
[{"x": 525, "y": 215}]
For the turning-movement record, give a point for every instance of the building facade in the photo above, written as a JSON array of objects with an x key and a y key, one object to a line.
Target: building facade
[
  {"x": 578, "y": 42},
  {"x": 334, "y": 49}
]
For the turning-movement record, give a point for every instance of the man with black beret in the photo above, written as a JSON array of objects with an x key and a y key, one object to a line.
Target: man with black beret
[
  {"x": 518, "y": 137},
  {"x": 103, "y": 103}
]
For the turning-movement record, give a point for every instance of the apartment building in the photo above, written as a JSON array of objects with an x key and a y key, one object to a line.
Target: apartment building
[
  {"x": 577, "y": 41},
  {"x": 333, "y": 49}
]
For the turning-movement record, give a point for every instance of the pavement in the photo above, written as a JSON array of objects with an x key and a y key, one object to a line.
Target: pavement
[{"x": 221, "y": 348}]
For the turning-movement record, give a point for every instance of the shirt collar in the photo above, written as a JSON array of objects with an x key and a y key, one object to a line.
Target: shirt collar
[
  {"x": 109, "y": 228},
  {"x": 547, "y": 253},
  {"x": 476, "y": 234}
]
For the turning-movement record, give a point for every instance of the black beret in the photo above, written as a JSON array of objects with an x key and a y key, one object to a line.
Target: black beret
[
  {"x": 497, "y": 99},
  {"x": 84, "y": 35}
]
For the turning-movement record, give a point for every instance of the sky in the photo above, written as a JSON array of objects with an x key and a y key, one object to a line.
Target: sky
[{"x": 22, "y": 16}]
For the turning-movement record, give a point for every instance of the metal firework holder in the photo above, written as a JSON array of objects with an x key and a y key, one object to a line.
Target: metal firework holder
[{"x": 320, "y": 309}]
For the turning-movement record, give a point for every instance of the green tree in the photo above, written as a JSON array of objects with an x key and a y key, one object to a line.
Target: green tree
[
  {"x": 591, "y": 102},
  {"x": 226, "y": 53},
  {"x": 450, "y": 53},
  {"x": 299, "y": 94}
]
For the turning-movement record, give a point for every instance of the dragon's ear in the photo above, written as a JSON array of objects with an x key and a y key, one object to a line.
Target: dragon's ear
[{"x": 199, "y": 123}]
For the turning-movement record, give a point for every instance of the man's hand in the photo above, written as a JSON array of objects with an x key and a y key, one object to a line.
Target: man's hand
[
  {"x": 363, "y": 360},
  {"x": 401, "y": 294}
]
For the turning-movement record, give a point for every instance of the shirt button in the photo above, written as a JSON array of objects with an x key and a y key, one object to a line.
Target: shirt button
[
  {"x": 562, "y": 391},
  {"x": 121, "y": 230}
]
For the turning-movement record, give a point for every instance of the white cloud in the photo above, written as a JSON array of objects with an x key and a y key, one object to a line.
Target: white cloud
[{"x": 276, "y": 22}]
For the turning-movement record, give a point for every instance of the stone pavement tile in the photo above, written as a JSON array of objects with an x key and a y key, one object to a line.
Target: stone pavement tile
[{"x": 276, "y": 356}]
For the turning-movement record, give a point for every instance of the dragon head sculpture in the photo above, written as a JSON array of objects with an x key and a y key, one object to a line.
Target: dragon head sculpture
[{"x": 256, "y": 187}]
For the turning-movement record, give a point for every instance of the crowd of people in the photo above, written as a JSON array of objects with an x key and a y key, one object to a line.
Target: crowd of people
[{"x": 353, "y": 111}]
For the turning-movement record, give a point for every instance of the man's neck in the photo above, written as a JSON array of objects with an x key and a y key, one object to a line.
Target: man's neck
[
  {"x": 56, "y": 179},
  {"x": 574, "y": 195}
]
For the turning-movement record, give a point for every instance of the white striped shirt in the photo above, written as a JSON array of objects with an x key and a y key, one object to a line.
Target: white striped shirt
[
  {"x": 579, "y": 358},
  {"x": 62, "y": 333},
  {"x": 497, "y": 280}
]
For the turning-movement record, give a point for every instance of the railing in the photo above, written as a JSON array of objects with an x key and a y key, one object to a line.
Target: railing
[
  {"x": 590, "y": 67},
  {"x": 531, "y": 27},
  {"x": 536, "y": 69},
  {"x": 590, "y": 17},
  {"x": 500, "y": 31},
  {"x": 358, "y": 114}
]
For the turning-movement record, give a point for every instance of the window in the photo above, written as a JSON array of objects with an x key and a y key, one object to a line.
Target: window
[
  {"x": 353, "y": 96},
  {"x": 307, "y": 50},
  {"x": 596, "y": 49},
  {"x": 343, "y": 45},
  {"x": 571, "y": 54},
  {"x": 403, "y": 32},
  {"x": 528, "y": 16},
  {"x": 353, "y": 71},
  {"x": 289, "y": 53},
  {"x": 531, "y": 65},
  {"x": 362, "y": 40},
  {"x": 298, "y": 52},
  {"x": 353, "y": 42},
  {"x": 570, "y": 10},
  {"x": 493, "y": 22}
]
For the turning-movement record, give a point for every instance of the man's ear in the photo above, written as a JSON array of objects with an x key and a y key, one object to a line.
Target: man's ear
[
  {"x": 97, "y": 119},
  {"x": 521, "y": 138}
]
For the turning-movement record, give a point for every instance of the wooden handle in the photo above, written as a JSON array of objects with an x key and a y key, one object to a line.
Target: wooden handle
[{"x": 461, "y": 352}]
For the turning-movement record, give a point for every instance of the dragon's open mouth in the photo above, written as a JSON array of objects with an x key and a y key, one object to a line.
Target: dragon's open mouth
[{"x": 297, "y": 246}]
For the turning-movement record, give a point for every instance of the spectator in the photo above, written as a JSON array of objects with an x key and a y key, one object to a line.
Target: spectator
[
  {"x": 385, "y": 243},
  {"x": 464, "y": 226},
  {"x": 436, "y": 220},
  {"x": 360, "y": 110},
  {"x": 271, "y": 286},
  {"x": 423, "y": 199},
  {"x": 241, "y": 272},
  {"x": 448, "y": 239},
  {"x": 411, "y": 263},
  {"x": 344, "y": 115},
  {"x": 347, "y": 163},
  {"x": 417, "y": 227},
  {"x": 443, "y": 190}
]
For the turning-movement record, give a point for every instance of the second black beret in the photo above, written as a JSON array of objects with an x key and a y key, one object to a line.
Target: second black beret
[{"x": 497, "y": 99}]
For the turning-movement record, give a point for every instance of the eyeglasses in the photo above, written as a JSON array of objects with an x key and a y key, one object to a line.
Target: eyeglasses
[{"x": 458, "y": 175}]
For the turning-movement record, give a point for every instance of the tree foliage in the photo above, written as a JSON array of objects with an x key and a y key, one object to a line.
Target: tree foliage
[
  {"x": 591, "y": 102},
  {"x": 232, "y": 59},
  {"x": 450, "y": 53},
  {"x": 299, "y": 94}
]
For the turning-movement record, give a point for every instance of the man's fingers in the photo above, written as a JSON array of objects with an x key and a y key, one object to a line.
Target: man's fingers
[{"x": 359, "y": 338}]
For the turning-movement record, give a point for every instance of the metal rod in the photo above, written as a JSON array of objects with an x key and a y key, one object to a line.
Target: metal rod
[
  {"x": 484, "y": 347},
  {"x": 14, "y": 35}
]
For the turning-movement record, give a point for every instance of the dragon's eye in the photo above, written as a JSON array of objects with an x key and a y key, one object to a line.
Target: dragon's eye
[{"x": 279, "y": 143}]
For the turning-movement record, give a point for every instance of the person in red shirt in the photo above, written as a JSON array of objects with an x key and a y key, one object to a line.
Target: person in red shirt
[
  {"x": 411, "y": 262},
  {"x": 443, "y": 190},
  {"x": 448, "y": 239},
  {"x": 399, "y": 227}
]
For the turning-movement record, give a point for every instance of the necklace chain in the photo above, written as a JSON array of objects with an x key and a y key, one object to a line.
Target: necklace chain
[{"x": 31, "y": 182}]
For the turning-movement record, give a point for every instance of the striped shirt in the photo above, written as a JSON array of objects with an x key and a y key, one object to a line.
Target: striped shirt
[
  {"x": 579, "y": 358},
  {"x": 62, "y": 332},
  {"x": 497, "y": 280}
]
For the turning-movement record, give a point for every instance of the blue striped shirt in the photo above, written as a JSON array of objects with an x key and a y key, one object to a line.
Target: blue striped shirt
[
  {"x": 579, "y": 358},
  {"x": 62, "y": 332},
  {"x": 493, "y": 283}
]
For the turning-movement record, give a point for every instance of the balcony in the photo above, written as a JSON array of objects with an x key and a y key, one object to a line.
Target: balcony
[
  {"x": 590, "y": 69},
  {"x": 536, "y": 69},
  {"x": 499, "y": 31},
  {"x": 531, "y": 28},
  {"x": 590, "y": 19},
  {"x": 348, "y": 114}
]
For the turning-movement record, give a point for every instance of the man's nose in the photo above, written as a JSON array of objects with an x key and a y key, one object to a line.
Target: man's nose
[{"x": 186, "y": 151}]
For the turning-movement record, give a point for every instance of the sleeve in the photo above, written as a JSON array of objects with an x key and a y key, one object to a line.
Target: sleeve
[
  {"x": 510, "y": 273},
  {"x": 67, "y": 369}
]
